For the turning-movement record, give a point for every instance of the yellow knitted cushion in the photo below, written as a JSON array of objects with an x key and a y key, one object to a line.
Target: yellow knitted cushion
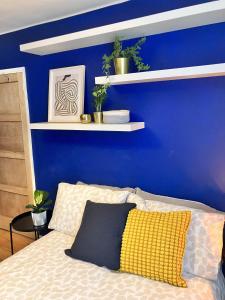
[{"x": 153, "y": 245}]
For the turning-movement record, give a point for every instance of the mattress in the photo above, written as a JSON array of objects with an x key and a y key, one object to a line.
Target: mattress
[{"x": 43, "y": 271}]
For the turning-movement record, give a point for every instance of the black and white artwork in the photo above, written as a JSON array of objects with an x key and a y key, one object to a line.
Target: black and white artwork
[{"x": 66, "y": 94}]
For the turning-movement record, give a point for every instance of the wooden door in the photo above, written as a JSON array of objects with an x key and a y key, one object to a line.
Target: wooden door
[{"x": 16, "y": 162}]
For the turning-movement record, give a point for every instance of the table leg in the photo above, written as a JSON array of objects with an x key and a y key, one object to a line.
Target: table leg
[{"x": 11, "y": 238}]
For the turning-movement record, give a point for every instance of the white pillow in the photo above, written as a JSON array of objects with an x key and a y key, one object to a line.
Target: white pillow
[
  {"x": 175, "y": 201},
  {"x": 204, "y": 240},
  {"x": 140, "y": 202},
  {"x": 109, "y": 187},
  {"x": 70, "y": 203}
]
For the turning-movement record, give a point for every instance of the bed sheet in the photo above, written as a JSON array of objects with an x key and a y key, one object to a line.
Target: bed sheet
[{"x": 43, "y": 271}]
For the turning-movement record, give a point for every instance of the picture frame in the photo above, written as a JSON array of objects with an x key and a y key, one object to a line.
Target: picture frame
[{"x": 66, "y": 94}]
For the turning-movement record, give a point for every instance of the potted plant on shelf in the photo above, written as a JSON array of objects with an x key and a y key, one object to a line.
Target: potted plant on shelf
[
  {"x": 38, "y": 213},
  {"x": 121, "y": 58},
  {"x": 99, "y": 93}
]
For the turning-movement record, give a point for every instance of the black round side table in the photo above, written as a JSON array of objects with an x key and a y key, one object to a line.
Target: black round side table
[{"x": 24, "y": 223}]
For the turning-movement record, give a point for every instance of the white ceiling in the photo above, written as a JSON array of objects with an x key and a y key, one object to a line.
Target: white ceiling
[{"x": 18, "y": 14}]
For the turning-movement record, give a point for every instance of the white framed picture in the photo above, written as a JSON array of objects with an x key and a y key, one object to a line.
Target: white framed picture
[{"x": 66, "y": 94}]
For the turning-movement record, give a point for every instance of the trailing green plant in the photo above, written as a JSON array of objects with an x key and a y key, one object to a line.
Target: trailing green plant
[
  {"x": 100, "y": 93},
  {"x": 41, "y": 201},
  {"x": 132, "y": 52}
]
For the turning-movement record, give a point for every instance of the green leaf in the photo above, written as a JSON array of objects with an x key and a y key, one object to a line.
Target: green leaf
[
  {"x": 100, "y": 93},
  {"x": 30, "y": 206},
  {"x": 48, "y": 202},
  {"x": 132, "y": 52},
  {"x": 40, "y": 200}
]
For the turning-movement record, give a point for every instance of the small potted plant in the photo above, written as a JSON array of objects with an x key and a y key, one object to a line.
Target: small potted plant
[
  {"x": 99, "y": 93},
  {"x": 41, "y": 201},
  {"x": 121, "y": 58}
]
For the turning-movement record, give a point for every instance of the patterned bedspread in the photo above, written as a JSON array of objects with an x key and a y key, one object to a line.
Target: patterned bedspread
[{"x": 43, "y": 271}]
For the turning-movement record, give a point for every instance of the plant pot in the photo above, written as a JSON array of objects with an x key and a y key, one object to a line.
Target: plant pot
[
  {"x": 98, "y": 117},
  {"x": 121, "y": 65},
  {"x": 39, "y": 219}
]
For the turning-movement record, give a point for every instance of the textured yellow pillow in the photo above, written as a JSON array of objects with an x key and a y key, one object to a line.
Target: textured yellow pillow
[{"x": 153, "y": 245}]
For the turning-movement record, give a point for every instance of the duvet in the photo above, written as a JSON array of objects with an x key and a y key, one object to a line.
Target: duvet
[{"x": 42, "y": 271}]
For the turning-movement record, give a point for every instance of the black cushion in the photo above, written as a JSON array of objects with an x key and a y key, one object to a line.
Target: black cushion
[{"x": 99, "y": 238}]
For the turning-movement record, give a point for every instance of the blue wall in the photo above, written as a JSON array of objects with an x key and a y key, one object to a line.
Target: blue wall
[{"x": 181, "y": 152}]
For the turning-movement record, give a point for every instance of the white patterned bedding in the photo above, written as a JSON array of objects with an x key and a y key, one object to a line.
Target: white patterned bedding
[{"x": 43, "y": 271}]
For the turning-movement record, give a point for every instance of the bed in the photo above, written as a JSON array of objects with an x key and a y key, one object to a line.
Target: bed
[{"x": 42, "y": 271}]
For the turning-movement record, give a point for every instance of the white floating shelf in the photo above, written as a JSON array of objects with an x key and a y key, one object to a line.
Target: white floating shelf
[
  {"x": 182, "y": 18},
  {"x": 164, "y": 75},
  {"x": 89, "y": 127}
]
